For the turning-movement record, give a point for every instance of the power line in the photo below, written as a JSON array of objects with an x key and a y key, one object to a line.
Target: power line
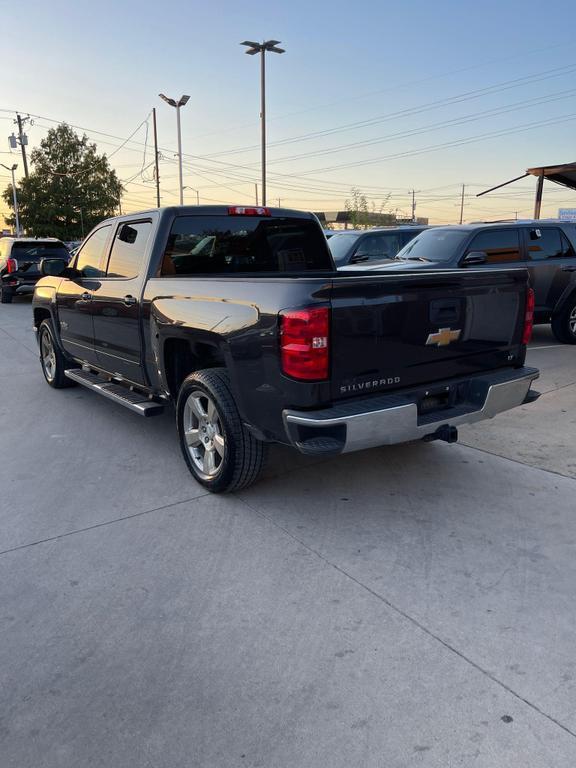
[{"x": 409, "y": 112}]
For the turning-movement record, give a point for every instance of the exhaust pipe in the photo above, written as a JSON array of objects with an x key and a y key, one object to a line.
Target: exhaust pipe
[{"x": 446, "y": 433}]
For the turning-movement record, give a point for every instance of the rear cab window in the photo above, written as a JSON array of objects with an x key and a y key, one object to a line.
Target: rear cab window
[
  {"x": 226, "y": 245},
  {"x": 129, "y": 249}
]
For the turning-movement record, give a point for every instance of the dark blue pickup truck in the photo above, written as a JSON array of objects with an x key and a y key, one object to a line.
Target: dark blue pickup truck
[{"x": 238, "y": 317}]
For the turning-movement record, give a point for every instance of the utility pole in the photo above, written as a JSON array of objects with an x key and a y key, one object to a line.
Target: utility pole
[
  {"x": 414, "y": 205},
  {"x": 279, "y": 203},
  {"x": 462, "y": 205},
  {"x": 23, "y": 139},
  {"x": 256, "y": 189},
  {"x": 156, "y": 171}
]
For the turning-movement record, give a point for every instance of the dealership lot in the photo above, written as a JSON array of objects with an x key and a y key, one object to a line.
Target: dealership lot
[{"x": 407, "y": 606}]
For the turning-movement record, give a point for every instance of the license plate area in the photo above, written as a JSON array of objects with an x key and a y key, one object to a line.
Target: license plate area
[{"x": 436, "y": 401}]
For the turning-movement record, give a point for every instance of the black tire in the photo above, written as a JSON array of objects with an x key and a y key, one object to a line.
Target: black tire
[
  {"x": 5, "y": 295},
  {"x": 238, "y": 456},
  {"x": 54, "y": 373},
  {"x": 564, "y": 323}
]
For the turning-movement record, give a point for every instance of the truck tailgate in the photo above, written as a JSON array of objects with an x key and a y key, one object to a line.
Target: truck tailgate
[{"x": 391, "y": 331}]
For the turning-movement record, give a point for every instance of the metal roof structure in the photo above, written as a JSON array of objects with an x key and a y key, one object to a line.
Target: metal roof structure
[
  {"x": 559, "y": 174},
  {"x": 564, "y": 174}
]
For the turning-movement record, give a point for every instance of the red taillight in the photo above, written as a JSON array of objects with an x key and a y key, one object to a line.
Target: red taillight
[
  {"x": 11, "y": 266},
  {"x": 238, "y": 210},
  {"x": 304, "y": 343},
  {"x": 529, "y": 316}
]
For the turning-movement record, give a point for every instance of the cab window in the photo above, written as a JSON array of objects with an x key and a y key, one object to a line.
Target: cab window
[
  {"x": 501, "y": 246},
  {"x": 548, "y": 243},
  {"x": 91, "y": 256},
  {"x": 129, "y": 249}
]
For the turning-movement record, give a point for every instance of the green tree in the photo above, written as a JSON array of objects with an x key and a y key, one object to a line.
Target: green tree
[{"x": 70, "y": 189}]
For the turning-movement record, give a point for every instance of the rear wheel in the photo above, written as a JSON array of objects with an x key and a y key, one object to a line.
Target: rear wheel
[
  {"x": 51, "y": 358},
  {"x": 219, "y": 450},
  {"x": 5, "y": 295},
  {"x": 564, "y": 323}
]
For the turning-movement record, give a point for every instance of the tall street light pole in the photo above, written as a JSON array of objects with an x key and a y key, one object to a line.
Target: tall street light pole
[
  {"x": 261, "y": 48},
  {"x": 14, "y": 197},
  {"x": 177, "y": 104}
]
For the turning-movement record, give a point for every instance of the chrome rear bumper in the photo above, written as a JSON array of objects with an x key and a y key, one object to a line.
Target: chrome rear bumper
[{"x": 397, "y": 418}]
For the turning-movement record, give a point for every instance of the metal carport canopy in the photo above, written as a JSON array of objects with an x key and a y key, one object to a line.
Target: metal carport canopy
[{"x": 560, "y": 174}]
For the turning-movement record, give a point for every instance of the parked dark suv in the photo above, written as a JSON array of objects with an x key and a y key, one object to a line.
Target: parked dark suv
[
  {"x": 20, "y": 259},
  {"x": 546, "y": 247},
  {"x": 357, "y": 246}
]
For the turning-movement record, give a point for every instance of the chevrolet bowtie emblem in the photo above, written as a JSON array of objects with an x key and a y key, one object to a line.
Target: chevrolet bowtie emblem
[{"x": 444, "y": 337}]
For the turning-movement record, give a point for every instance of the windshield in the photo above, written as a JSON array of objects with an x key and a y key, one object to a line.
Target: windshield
[
  {"x": 433, "y": 245},
  {"x": 34, "y": 251},
  {"x": 340, "y": 245}
]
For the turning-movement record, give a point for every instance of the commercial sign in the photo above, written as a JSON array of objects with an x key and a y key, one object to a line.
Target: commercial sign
[{"x": 567, "y": 214}]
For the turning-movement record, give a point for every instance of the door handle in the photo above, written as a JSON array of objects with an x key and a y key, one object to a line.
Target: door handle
[
  {"x": 568, "y": 269},
  {"x": 129, "y": 301},
  {"x": 86, "y": 296}
]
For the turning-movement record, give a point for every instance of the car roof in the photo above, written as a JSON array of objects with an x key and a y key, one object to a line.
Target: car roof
[
  {"x": 32, "y": 239},
  {"x": 472, "y": 226},
  {"x": 377, "y": 230}
]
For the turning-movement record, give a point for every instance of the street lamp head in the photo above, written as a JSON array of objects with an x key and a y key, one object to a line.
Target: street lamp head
[
  {"x": 10, "y": 169},
  {"x": 252, "y": 47},
  {"x": 183, "y": 100},
  {"x": 267, "y": 45},
  {"x": 168, "y": 100}
]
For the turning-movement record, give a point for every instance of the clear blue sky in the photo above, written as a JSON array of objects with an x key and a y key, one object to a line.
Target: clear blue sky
[{"x": 101, "y": 65}]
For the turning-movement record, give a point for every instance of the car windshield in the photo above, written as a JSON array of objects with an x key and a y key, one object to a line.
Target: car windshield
[
  {"x": 433, "y": 245},
  {"x": 340, "y": 246},
  {"x": 36, "y": 250}
]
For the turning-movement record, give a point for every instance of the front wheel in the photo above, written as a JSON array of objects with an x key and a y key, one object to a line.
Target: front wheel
[
  {"x": 564, "y": 323},
  {"x": 219, "y": 450},
  {"x": 52, "y": 360}
]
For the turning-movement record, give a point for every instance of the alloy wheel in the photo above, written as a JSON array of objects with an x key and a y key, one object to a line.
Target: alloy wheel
[
  {"x": 572, "y": 321},
  {"x": 203, "y": 434},
  {"x": 48, "y": 355}
]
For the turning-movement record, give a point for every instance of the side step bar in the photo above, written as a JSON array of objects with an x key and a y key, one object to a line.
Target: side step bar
[{"x": 135, "y": 401}]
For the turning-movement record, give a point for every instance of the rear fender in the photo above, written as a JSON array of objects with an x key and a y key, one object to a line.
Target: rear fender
[
  {"x": 208, "y": 324},
  {"x": 569, "y": 294}
]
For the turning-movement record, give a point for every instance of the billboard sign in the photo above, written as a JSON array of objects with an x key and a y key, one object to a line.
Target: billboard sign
[{"x": 567, "y": 214}]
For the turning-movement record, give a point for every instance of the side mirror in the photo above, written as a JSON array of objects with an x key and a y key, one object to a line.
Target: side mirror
[
  {"x": 358, "y": 257},
  {"x": 475, "y": 257},
  {"x": 53, "y": 267}
]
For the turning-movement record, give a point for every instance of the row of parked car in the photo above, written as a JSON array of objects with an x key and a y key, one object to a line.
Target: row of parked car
[{"x": 547, "y": 248}]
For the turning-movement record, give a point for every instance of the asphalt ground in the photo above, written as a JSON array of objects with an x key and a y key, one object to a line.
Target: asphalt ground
[{"x": 406, "y": 606}]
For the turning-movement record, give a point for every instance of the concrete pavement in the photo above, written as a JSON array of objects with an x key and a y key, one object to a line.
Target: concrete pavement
[{"x": 408, "y": 606}]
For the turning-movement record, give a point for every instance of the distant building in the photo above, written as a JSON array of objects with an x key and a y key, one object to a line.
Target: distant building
[{"x": 343, "y": 219}]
